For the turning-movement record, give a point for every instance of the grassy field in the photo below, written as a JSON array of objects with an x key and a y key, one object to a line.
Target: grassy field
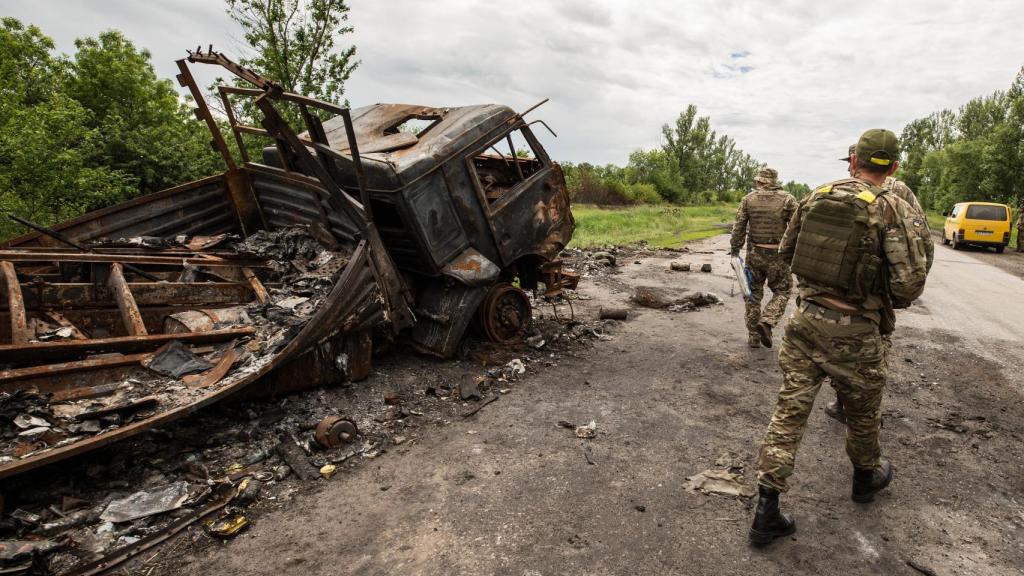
[{"x": 660, "y": 226}]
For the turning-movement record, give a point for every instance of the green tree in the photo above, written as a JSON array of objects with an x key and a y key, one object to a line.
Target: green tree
[
  {"x": 294, "y": 41},
  {"x": 50, "y": 155},
  {"x": 146, "y": 130}
]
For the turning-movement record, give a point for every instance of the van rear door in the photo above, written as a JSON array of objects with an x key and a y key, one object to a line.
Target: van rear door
[{"x": 985, "y": 223}]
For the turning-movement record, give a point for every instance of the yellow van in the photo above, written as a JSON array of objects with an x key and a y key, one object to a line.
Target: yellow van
[{"x": 978, "y": 224}]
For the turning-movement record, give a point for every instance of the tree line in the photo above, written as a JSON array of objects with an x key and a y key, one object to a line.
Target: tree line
[
  {"x": 694, "y": 165},
  {"x": 972, "y": 153}
]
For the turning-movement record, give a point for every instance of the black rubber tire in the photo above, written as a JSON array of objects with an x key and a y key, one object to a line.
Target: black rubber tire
[
  {"x": 945, "y": 241},
  {"x": 956, "y": 245},
  {"x": 999, "y": 249}
]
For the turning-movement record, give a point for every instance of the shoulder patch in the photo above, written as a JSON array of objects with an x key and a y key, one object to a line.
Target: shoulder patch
[
  {"x": 866, "y": 196},
  {"x": 824, "y": 189}
]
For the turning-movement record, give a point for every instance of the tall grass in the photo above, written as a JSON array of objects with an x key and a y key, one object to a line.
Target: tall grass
[{"x": 659, "y": 226}]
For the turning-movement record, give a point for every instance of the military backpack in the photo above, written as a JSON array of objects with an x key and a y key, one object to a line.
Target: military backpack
[{"x": 836, "y": 247}]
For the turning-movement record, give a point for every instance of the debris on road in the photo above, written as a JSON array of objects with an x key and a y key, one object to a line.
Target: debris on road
[
  {"x": 588, "y": 431},
  {"x": 142, "y": 503},
  {"x": 335, "y": 431},
  {"x": 721, "y": 482},
  {"x": 227, "y": 526},
  {"x": 680, "y": 266},
  {"x": 588, "y": 454},
  {"x": 663, "y": 298},
  {"x": 613, "y": 313},
  {"x": 706, "y": 268},
  {"x": 480, "y": 406},
  {"x": 328, "y": 470},
  {"x": 469, "y": 387}
]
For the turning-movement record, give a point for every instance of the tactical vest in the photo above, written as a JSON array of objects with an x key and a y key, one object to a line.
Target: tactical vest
[
  {"x": 765, "y": 210},
  {"x": 836, "y": 247}
]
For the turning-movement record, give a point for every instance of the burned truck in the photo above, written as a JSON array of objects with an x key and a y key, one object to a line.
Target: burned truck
[
  {"x": 275, "y": 276},
  {"x": 469, "y": 206}
]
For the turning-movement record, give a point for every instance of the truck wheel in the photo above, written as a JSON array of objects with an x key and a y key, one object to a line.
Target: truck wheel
[
  {"x": 956, "y": 245},
  {"x": 999, "y": 249},
  {"x": 505, "y": 313},
  {"x": 945, "y": 240}
]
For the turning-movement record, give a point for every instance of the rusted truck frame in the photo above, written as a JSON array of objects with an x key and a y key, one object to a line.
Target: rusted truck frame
[
  {"x": 470, "y": 207},
  {"x": 127, "y": 293}
]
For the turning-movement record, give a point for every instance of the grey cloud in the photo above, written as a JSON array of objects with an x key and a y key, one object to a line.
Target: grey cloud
[{"x": 794, "y": 84}]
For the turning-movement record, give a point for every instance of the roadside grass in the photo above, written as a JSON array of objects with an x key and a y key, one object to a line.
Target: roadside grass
[{"x": 659, "y": 226}]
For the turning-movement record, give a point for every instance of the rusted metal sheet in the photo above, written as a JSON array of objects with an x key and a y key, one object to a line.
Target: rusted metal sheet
[{"x": 196, "y": 208}]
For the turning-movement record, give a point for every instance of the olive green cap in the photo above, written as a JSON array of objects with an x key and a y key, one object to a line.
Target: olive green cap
[
  {"x": 853, "y": 148},
  {"x": 878, "y": 146}
]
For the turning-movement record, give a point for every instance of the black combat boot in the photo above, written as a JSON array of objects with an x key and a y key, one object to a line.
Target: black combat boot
[
  {"x": 769, "y": 523},
  {"x": 870, "y": 481},
  {"x": 834, "y": 410},
  {"x": 764, "y": 330}
]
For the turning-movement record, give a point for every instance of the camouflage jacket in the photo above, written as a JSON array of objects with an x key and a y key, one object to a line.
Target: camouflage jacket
[
  {"x": 893, "y": 221},
  {"x": 743, "y": 229}
]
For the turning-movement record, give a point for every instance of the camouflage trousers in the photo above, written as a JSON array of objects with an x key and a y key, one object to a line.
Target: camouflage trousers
[
  {"x": 766, "y": 266},
  {"x": 853, "y": 357}
]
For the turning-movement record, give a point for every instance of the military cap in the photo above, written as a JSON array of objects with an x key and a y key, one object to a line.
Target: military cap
[
  {"x": 878, "y": 146},
  {"x": 767, "y": 176},
  {"x": 853, "y": 148}
]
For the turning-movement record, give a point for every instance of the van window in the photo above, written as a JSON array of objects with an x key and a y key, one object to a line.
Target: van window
[{"x": 982, "y": 212}]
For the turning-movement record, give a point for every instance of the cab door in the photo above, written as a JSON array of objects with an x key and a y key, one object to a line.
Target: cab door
[{"x": 523, "y": 193}]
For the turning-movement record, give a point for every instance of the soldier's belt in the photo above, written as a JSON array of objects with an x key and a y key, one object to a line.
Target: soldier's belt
[{"x": 830, "y": 315}]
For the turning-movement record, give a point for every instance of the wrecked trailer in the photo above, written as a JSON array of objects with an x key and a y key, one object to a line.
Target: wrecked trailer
[
  {"x": 468, "y": 204},
  {"x": 260, "y": 279}
]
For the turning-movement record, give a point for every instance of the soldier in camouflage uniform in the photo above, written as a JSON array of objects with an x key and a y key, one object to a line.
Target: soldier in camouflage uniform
[
  {"x": 1020, "y": 227},
  {"x": 857, "y": 253},
  {"x": 760, "y": 222},
  {"x": 891, "y": 186}
]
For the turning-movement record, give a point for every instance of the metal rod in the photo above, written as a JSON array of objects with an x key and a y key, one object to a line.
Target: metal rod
[
  {"x": 203, "y": 111},
  {"x": 350, "y": 134},
  {"x": 230, "y": 111}
]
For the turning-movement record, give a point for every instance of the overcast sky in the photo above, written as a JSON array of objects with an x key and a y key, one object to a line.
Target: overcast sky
[{"x": 794, "y": 82}]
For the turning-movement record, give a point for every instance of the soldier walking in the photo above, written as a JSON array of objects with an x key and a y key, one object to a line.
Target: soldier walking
[
  {"x": 1020, "y": 227},
  {"x": 760, "y": 222},
  {"x": 857, "y": 253},
  {"x": 900, "y": 188}
]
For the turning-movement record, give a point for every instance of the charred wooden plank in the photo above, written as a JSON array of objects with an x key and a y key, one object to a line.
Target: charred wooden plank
[
  {"x": 69, "y": 348},
  {"x": 31, "y": 256},
  {"x": 256, "y": 285},
  {"x": 62, "y": 368},
  {"x": 125, "y": 301},
  {"x": 88, "y": 295},
  {"x": 19, "y": 321},
  {"x": 64, "y": 322}
]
